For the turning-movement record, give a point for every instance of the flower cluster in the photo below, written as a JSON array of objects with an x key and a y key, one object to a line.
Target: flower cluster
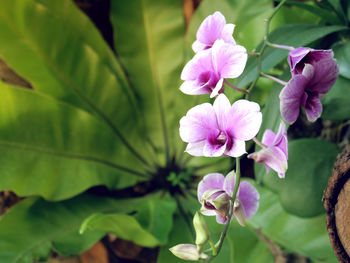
[
  {"x": 218, "y": 129},
  {"x": 222, "y": 128},
  {"x": 217, "y": 58}
]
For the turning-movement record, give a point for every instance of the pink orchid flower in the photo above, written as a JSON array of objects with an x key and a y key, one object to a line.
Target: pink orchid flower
[
  {"x": 314, "y": 72},
  {"x": 206, "y": 71},
  {"x": 275, "y": 152},
  {"x": 220, "y": 129},
  {"x": 212, "y": 28},
  {"x": 247, "y": 197}
]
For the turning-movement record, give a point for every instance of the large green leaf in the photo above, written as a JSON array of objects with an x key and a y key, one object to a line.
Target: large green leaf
[
  {"x": 55, "y": 150},
  {"x": 60, "y": 52},
  {"x": 304, "y": 236},
  {"x": 33, "y": 224},
  {"x": 150, "y": 47},
  {"x": 149, "y": 226},
  {"x": 309, "y": 167},
  {"x": 292, "y": 35}
]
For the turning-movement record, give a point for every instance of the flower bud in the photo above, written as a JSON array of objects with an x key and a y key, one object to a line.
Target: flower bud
[
  {"x": 201, "y": 228},
  {"x": 239, "y": 213},
  {"x": 217, "y": 200},
  {"x": 187, "y": 252}
]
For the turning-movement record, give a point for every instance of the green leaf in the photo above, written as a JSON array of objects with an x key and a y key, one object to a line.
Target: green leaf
[
  {"x": 342, "y": 55},
  {"x": 57, "y": 151},
  {"x": 33, "y": 223},
  {"x": 291, "y": 35},
  {"x": 149, "y": 226},
  {"x": 305, "y": 236},
  {"x": 31, "y": 226},
  {"x": 337, "y": 7},
  {"x": 124, "y": 226},
  {"x": 323, "y": 13},
  {"x": 150, "y": 47},
  {"x": 336, "y": 103},
  {"x": 309, "y": 167},
  {"x": 54, "y": 46}
]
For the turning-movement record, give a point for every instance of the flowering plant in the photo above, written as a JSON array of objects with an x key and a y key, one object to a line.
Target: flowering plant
[{"x": 161, "y": 128}]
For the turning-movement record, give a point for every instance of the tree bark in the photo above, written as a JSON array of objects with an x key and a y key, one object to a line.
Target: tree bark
[{"x": 336, "y": 200}]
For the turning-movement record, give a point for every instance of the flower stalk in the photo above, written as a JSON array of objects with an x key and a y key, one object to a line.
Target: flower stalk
[
  {"x": 279, "y": 81},
  {"x": 267, "y": 28},
  {"x": 230, "y": 213}
]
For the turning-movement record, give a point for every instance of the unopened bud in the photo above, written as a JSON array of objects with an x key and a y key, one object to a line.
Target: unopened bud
[
  {"x": 222, "y": 204},
  {"x": 187, "y": 252},
  {"x": 201, "y": 228},
  {"x": 239, "y": 213},
  {"x": 217, "y": 200}
]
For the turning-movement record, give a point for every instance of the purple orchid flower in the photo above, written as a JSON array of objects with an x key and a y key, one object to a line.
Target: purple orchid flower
[
  {"x": 212, "y": 28},
  {"x": 274, "y": 154},
  {"x": 313, "y": 74},
  {"x": 247, "y": 198},
  {"x": 206, "y": 71},
  {"x": 220, "y": 129}
]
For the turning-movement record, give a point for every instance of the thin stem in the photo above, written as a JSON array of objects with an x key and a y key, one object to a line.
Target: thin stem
[
  {"x": 253, "y": 53},
  {"x": 234, "y": 87},
  {"x": 267, "y": 27},
  {"x": 230, "y": 213},
  {"x": 259, "y": 142},
  {"x": 213, "y": 248},
  {"x": 289, "y": 48},
  {"x": 279, "y": 81}
]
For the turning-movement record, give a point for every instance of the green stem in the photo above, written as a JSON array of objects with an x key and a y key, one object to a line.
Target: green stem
[
  {"x": 279, "y": 81},
  {"x": 213, "y": 248},
  {"x": 230, "y": 213},
  {"x": 262, "y": 50}
]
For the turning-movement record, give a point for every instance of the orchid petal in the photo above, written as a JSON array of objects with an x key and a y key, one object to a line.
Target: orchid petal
[
  {"x": 222, "y": 107},
  {"x": 201, "y": 62},
  {"x": 228, "y": 60},
  {"x": 249, "y": 198},
  {"x": 313, "y": 108},
  {"x": 268, "y": 138},
  {"x": 290, "y": 98},
  {"x": 296, "y": 55},
  {"x": 244, "y": 119},
  {"x": 211, "y": 28},
  {"x": 237, "y": 149},
  {"x": 227, "y": 33},
  {"x": 221, "y": 220},
  {"x": 229, "y": 183},
  {"x": 210, "y": 181},
  {"x": 218, "y": 88},
  {"x": 198, "y": 123},
  {"x": 195, "y": 148}
]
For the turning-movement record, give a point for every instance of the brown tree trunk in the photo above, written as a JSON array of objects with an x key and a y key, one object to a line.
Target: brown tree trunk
[{"x": 336, "y": 200}]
